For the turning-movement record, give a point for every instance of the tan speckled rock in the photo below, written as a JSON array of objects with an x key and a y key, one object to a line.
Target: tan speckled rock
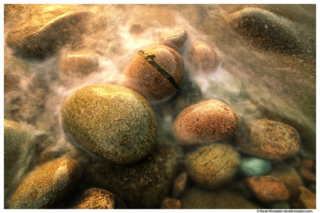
[
  {"x": 196, "y": 198},
  {"x": 46, "y": 186},
  {"x": 179, "y": 185},
  {"x": 40, "y": 38},
  {"x": 78, "y": 64},
  {"x": 95, "y": 198},
  {"x": 174, "y": 39},
  {"x": 212, "y": 165},
  {"x": 112, "y": 122},
  {"x": 268, "y": 189},
  {"x": 143, "y": 184},
  {"x": 206, "y": 122},
  {"x": 203, "y": 58},
  {"x": 307, "y": 198},
  {"x": 141, "y": 76},
  {"x": 270, "y": 140},
  {"x": 170, "y": 203}
]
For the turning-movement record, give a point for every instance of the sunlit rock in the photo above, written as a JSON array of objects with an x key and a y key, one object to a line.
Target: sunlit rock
[{"x": 174, "y": 39}]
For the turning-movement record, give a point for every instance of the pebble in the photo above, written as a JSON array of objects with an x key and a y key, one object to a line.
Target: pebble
[
  {"x": 307, "y": 198},
  {"x": 170, "y": 203},
  {"x": 112, "y": 122},
  {"x": 143, "y": 184},
  {"x": 307, "y": 175},
  {"x": 143, "y": 77},
  {"x": 179, "y": 184},
  {"x": 251, "y": 166},
  {"x": 205, "y": 122},
  {"x": 196, "y": 198},
  {"x": 47, "y": 186},
  {"x": 266, "y": 29},
  {"x": 203, "y": 58},
  {"x": 270, "y": 140},
  {"x": 78, "y": 65},
  {"x": 95, "y": 198},
  {"x": 39, "y": 39},
  {"x": 212, "y": 165},
  {"x": 268, "y": 189},
  {"x": 174, "y": 39}
]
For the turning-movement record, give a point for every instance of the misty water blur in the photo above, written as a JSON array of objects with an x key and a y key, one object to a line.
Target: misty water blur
[{"x": 255, "y": 83}]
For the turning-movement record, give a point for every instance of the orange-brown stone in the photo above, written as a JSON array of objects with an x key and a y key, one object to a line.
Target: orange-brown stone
[
  {"x": 170, "y": 203},
  {"x": 307, "y": 198}
]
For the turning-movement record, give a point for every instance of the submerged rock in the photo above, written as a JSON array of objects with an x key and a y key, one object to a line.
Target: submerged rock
[
  {"x": 47, "y": 186},
  {"x": 153, "y": 81},
  {"x": 95, "y": 198},
  {"x": 179, "y": 184},
  {"x": 170, "y": 203},
  {"x": 251, "y": 166},
  {"x": 196, "y": 198},
  {"x": 112, "y": 122},
  {"x": 206, "y": 122},
  {"x": 307, "y": 198},
  {"x": 43, "y": 38},
  {"x": 174, "y": 39},
  {"x": 267, "y": 139},
  {"x": 212, "y": 165}
]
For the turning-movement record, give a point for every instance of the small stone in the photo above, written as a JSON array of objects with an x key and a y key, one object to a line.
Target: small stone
[
  {"x": 42, "y": 38},
  {"x": 308, "y": 164},
  {"x": 251, "y": 166},
  {"x": 78, "y": 65},
  {"x": 112, "y": 122},
  {"x": 203, "y": 58},
  {"x": 270, "y": 140},
  {"x": 95, "y": 198},
  {"x": 47, "y": 186},
  {"x": 174, "y": 39},
  {"x": 307, "y": 175},
  {"x": 212, "y": 165},
  {"x": 205, "y": 122},
  {"x": 268, "y": 189},
  {"x": 170, "y": 203},
  {"x": 143, "y": 77},
  {"x": 307, "y": 198},
  {"x": 179, "y": 185},
  {"x": 143, "y": 184},
  {"x": 197, "y": 198}
]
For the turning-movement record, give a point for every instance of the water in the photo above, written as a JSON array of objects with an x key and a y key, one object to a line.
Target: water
[{"x": 257, "y": 83}]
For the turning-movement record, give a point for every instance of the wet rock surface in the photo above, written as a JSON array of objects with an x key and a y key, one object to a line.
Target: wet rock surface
[
  {"x": 307, "y": 198},
  {"x": 170, "y": 203},
  {"x": 269, "y": 140},
  {"x": 179, "y": 184},
  {"x": 255, "y": 166},
  {"x": 268, "y": 189},
  {"x": 112, "y": 122},
  {"x": 206, "y": 122},
  {"x": 174, "y": 39},
  {"x": 212, "y": 165},
  {"x": 47, "y": 186}
]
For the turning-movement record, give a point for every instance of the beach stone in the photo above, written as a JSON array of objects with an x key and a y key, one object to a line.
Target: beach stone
[
  {"x": 95, "y": 198},
  {"x": 268, "y": 189},
  {"x": 174, "y": 39},
  {"x": 204, "y": 123},
  {"x": 307, "y": 198},
  {"x": 143, "y": 77},
  {"x": 40, "y": 38},
  {"x": 47, "y": 186},
  {"x": 79, "y": 65},
  {"x": 307, "y": 175},
  {"x": 212, "y": 165},
  {"x": 112, "y": 122},
  {"x": 266, "y": 29},
  {"x": 170, "y": 203},
  {"x": 196, "y": 198},
  {"x": 179, "y": 184},
  {"x": 203, "y": 58},
  {"x": 267, "y": 139},
  {"x": 143, "y": 184},
  {"x": 251, "y": 166}
]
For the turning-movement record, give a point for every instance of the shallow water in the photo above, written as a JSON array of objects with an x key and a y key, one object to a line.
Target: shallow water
[{"x": 256, "y": 78}]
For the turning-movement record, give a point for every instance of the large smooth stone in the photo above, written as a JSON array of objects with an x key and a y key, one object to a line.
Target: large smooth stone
[
  {"x": 38, "y": 38},
  {"x": 267, "y": 139},
  {"x": 197, "y": 198},
  {"x": 212, "y": 165},
  {"x": 206, "y": 122},
  {"x": 47, "y": 186},
  {"x": 144, "y": 78},
  {"x": 112, "y": 122}
]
